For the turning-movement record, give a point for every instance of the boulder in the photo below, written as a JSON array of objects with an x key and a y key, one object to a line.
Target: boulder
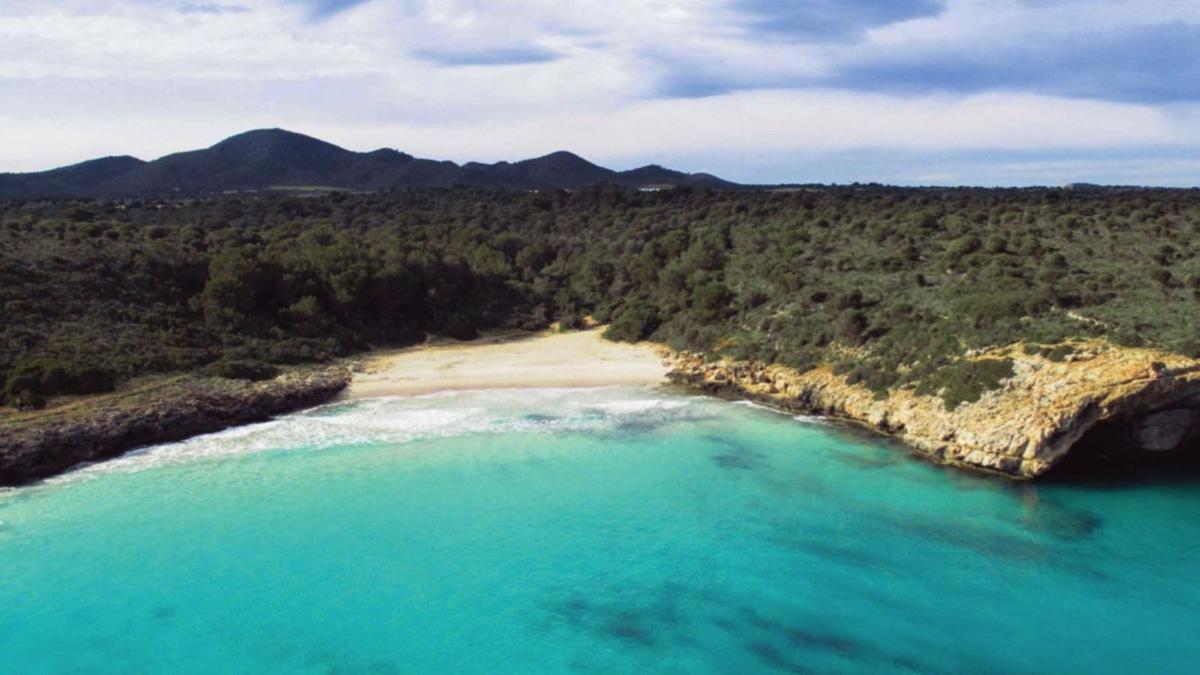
[{"x": 1164, "y": 430}]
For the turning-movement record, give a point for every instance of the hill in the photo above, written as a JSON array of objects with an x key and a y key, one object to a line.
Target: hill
[{"x": 273, "y": 158}]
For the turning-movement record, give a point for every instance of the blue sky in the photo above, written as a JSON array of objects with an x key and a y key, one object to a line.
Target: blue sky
[{"x": 984, "y": 92}]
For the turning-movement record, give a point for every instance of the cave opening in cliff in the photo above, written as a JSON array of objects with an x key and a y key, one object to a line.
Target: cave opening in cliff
[{"x": 1125, "y": 449}]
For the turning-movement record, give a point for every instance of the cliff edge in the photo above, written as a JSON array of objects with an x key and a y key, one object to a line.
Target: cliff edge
[
  {"x": 41, "y": 444},
  {"x": 1100, "y": 399}
]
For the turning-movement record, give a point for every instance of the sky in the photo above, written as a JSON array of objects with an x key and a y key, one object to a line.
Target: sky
[{"x": 910, "y": 92}]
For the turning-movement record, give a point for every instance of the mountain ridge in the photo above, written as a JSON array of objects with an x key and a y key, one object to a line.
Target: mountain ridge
[{"x": 274, "y": 158}]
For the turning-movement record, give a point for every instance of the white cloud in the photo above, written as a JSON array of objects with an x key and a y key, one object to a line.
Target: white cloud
[
  {"x": 82, "y": 78},
  {"x": 802, "y": 121},
  {"x": 767, "y": 121},
  {"x": 981, "y": 25}
]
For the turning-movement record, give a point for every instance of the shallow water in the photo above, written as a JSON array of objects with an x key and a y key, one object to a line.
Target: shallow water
[{"x": 589, "y": 531}]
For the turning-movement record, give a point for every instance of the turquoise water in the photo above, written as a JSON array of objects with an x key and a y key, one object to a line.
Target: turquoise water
[{"x": 591, "y": 531}]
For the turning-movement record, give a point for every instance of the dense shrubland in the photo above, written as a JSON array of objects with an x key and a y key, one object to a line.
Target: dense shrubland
[{"x": 891, "y": 285}]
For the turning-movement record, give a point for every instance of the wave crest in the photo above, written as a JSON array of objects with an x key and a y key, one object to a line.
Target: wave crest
[{"x": 404, "y": 419}]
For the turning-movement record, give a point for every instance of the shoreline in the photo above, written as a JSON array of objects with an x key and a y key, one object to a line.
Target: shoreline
[
  {"x": 43, "y": 444},
  {"x": 1106, "y": 403},
  {"x": 1105, "y": 394},
  {"x": 575, "y": 359},
  {"x": 47, "y": 443}
]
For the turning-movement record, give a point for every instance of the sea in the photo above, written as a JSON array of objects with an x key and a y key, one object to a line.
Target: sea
[{"x": 608, "y": 530}]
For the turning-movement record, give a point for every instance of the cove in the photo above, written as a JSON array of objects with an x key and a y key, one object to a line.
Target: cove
[{"x": 585, "y": 531}]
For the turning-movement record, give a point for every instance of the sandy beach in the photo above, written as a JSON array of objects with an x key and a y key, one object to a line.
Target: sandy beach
[{"x": 576, "y": 359}]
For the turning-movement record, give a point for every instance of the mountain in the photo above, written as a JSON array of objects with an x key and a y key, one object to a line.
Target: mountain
[
  {"x": 77, "y": 180},
  {"x": 654, "y": 174},
  {"x": 273, "y": 158},
  {"x": 557, "y": 170}
]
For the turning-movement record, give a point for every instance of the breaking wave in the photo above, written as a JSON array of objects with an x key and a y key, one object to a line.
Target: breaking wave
[
  {"x": 398, "y": 420},
  {"x": 805, "y": 419}
]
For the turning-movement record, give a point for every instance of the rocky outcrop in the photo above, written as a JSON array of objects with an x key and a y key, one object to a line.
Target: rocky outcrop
[
  {"x": 1164, "y": 430},
  {"x": 1136, "y": 399},
  {"x": 38, "y": 445}
]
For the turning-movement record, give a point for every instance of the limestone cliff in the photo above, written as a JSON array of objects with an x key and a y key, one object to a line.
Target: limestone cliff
[{"x": 1138, "y": 399}]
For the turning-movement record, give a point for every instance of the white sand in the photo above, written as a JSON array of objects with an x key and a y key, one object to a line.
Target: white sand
[{"x": 577, "y": 359}]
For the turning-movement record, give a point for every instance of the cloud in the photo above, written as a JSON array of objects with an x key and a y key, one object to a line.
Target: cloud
[
  {"x": 1157, "y": 63},
  {"x": 828, "y": 19},
  {"x": 325, "y": 8},
  {"x": 1121, "y": 51},
  {"x": 488, "y": 57},
  {"x": 728, "y": 134},
  {"x": 211, "y": 8},
  {"x": 733, "y": 86},
  {"x": 823, "y": 121}
]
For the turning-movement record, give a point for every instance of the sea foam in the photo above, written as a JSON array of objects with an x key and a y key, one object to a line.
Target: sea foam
[{"x": 404, "y": 419}]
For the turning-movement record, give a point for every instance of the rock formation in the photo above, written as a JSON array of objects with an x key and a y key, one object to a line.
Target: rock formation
[
  {"x": 46, "y": 443},
  {"x": 1134, "y": 400}
]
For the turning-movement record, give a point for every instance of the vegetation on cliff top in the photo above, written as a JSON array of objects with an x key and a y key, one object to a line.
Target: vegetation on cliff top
[{"x": 900, "y": 282}]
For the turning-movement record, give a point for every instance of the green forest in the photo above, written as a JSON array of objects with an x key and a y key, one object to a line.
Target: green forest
[{"x": 891, "y": 285}]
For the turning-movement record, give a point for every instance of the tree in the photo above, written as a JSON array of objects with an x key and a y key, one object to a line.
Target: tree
[
  {"x": 635, "y": 321},
  {"x": 230, "y": 295},
  {"x": 711, "y": 301}
]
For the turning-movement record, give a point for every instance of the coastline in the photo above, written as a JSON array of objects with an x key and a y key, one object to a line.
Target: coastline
[
  {"x": 1103, "y": 403},
  {"x": 1102, "y": 399},
  {"x": 41, "y": 444},
  {"x": 516, "y": 361},
  {"x": 45, "y": 443}
]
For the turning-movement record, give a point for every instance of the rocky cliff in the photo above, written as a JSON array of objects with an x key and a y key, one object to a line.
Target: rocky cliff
[
  {"x": 38, "y": 445},
  {"x": 1100, "y": 399}
]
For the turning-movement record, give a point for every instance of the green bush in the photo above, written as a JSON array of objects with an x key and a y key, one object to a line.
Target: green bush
[
  {"x": 569, "y": 321},
  {"x": 851, "y": 325},
  {"x": 299, "y": 350},
  {"x": 243, "y": 369},
  {"x": 996, "y": 304},
  {"x": 962, "y": 246},
  {"x": 965, "y": 381},
  {"x": 26, "y": 400},
  {"x": 711, "y": 301},
  {"x": 460, "y": 327},
  {"x": 1057, "y": 353},
  {"x": 633, "y": 323},
  {"x": 52, "y": 377}
]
